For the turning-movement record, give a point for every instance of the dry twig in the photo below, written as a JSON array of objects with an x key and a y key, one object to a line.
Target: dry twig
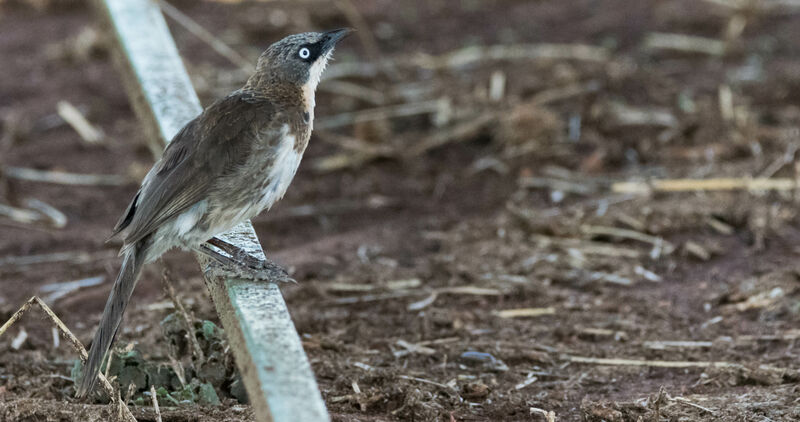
[
  {"x": 37, "y": 213},
  {"x": 556, "y": 185},
  {"x": 689, "y": 403},
  {"x": 697, "y": 250},
  {"x": 423, "y": 380},
  {"x": 70, "y": 257},
  {"x": 457, "y": 133},
  {"x": 760, "y": 7},
  {"x": 356, "y": 287},
  {"x": 664, "y": 345},
  {"x": 725, "y": 98},
  {"x": 652, "y": 363},
  {"x": 372, "y": 96},
  {"x": 58, "y": 290},
  {"x": 497, "y": 86},
  {"x": 412, "y": 348},
  {"x": 684, "y": 43},
  {"x": 549, "y": 416},
  {"x": 373, "y": 202},
  {"x": 37, "y": 409},
  {"x": 587, "y": 247},
  {"x": 657, "y": 242},
  {"x": 469, "y": 55},
  {"x": 19, "y": 340},
  {"x": 76, "y": 344},
  {"x": 627, "y": 115},
  {"x": 698, "y": 185},
  {"x": 20, "y": 215},
  {"x": 360, "y": 116},
  {"x": 465, "y": 290},
  {"x": 525, "y": 312},
  {"x": 363, "y": 31},
  {"x": 55, "y": 218},
  {"x": 90, "y": 134},
  {"x": 789, "y": 335},
  {"x": 63, "y": 178},
  {"x": 187, "y": 319},
  {"x": 155, "y": 403},
  {"x": 374, "y": 297},
  {"x": 562, "y": 93},
  {"x": 207, "y": 37}
]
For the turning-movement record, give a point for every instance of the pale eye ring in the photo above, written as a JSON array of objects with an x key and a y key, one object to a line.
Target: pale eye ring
[{"x": 304, "y": 53}]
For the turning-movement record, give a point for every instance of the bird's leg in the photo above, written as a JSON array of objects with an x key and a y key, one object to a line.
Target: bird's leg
[
  {"x": 237, "y": 253},
  {"x": 243, "y": 257},
  {"x": 263, "y": 270}
]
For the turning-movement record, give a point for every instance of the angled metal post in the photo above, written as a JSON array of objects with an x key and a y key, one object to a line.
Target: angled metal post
[{"x": 267, "y": 349}]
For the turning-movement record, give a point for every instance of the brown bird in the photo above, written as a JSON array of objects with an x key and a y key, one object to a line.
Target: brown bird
[{"x": 224, "y": 167}]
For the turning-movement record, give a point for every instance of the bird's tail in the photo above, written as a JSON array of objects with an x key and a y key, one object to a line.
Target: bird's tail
[{"x": 132, "y": 262}]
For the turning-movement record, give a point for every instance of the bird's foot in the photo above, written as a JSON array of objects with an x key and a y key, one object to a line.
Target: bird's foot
[
  {"x": 268, "y": 271},
  {"x": 242, "y": 265}
]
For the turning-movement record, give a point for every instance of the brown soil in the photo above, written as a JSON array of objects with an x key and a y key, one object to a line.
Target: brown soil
[{"x": 506, "y": 216}]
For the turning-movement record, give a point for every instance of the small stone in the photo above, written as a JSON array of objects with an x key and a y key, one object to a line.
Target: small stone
[
  {"x": 238, "y": 391},
  {"x": 208, "y": 395},
  {"x": 475, "y": 390},
  {"x": 213, "y": 370},
  {"x": 175, "y": 332},
  {"x": 132, "y": 375},
  {"x": 160, "y": 376}
]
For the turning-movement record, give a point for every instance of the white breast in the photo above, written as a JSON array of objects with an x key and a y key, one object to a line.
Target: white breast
[
  {"x": 276, "y": 181},
  {"x": 282, "y": 172}
]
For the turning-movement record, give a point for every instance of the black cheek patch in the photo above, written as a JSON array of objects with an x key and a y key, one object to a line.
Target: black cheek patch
[{"x": 314, "y": 50}]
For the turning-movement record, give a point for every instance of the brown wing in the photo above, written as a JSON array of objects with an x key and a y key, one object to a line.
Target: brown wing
[{"x": 208, "y": 147}]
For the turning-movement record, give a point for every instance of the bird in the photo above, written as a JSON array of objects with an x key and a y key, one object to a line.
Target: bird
[{"x": 234, "y": 160}]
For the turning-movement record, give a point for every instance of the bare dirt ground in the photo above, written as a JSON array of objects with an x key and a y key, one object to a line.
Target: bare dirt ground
[{"x": 471, "y": 260}]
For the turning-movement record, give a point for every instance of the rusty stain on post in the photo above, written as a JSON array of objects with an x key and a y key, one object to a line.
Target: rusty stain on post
[{"x": 268, "y": 352}]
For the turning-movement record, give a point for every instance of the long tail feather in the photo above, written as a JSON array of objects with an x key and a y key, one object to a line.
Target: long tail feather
[{"x": 112, "y": 315}]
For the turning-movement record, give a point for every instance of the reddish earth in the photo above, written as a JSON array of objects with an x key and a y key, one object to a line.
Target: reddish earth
[{"x": 405, "y": 262}]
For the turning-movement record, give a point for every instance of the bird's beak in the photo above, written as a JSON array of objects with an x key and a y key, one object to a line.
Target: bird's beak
[{"x": 330, "y": 38}]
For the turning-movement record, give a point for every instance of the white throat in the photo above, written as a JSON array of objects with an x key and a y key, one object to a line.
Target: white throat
[{"x": 310, "y": 87}]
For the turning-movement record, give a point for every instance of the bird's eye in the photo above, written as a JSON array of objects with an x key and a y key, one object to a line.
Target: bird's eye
[{"x": 304, "y": 53}]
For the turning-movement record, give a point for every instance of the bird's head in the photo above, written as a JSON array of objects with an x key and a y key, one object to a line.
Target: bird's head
[{"x": 297, "y": 60}]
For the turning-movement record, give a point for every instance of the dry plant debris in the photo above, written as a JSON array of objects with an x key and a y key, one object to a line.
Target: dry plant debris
[
  {"x": 624, "y": 183},
  {"x": 76, "y": 345}
]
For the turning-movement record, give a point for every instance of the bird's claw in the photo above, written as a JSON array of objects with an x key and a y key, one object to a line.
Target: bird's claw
[{"x": 266, "y": 271}]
